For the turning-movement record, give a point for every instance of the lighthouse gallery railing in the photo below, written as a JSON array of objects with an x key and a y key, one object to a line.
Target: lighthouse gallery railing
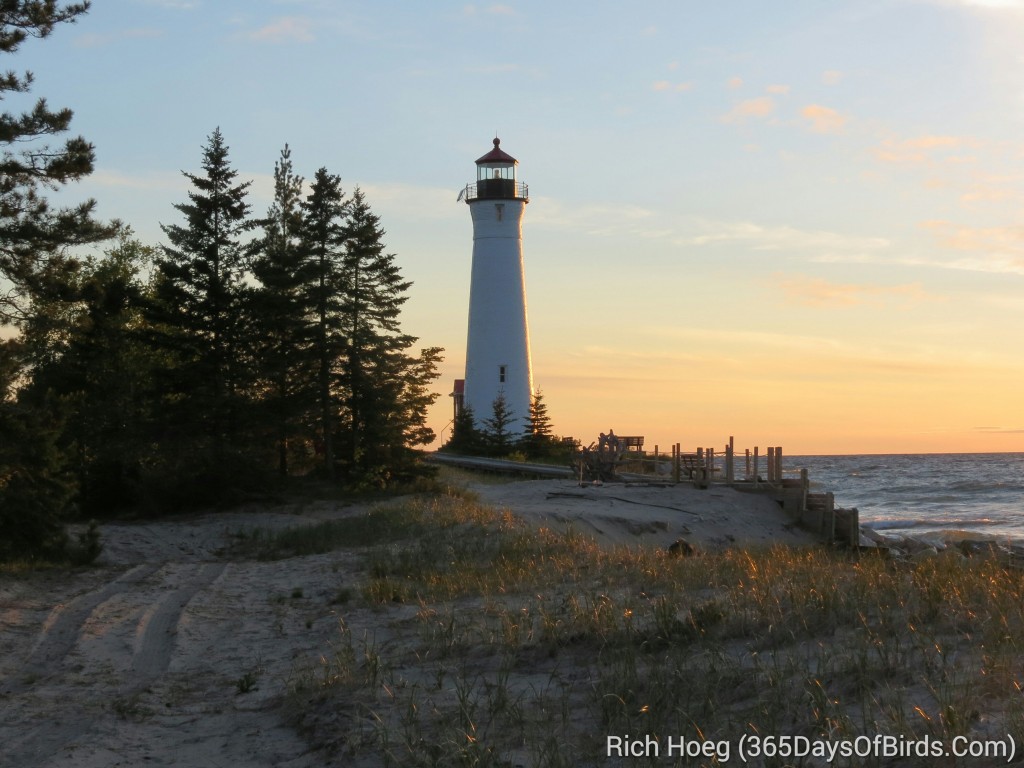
[{"x": 495, "y": 189}]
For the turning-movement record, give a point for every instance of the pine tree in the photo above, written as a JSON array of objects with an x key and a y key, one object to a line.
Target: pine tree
[
  {"x": 201, "y": 306},
  {"x": 37, "y": 276},
  {"x": 323, "y": 243},
  {"x": 374, "y": 293},
  {"x": 35, "y": 487},
  {"x": 34, "y": 236},
  {"x": 496, "y": 432},
  {"x": 103, "y": 371},
  {"x": 394, "y": 415},
  {"x": 281, "y": 311},
  {"x": 538, "y": 439},
  {"x": 466, "y": 437}
]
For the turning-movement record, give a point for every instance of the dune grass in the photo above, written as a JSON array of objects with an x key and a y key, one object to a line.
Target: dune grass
[{"x": 473, "y": 640}]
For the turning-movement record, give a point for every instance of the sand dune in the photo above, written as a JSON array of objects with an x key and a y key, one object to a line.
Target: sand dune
[{"x": 174, "y": 651}]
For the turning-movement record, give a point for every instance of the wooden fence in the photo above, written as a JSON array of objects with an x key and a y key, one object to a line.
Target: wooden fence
[{"x": 755, "y": 471}]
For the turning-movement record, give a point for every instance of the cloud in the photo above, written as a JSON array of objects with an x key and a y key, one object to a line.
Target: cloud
[
  {"x": 778, "y": 89},
  {"x": 155, "y": 181},
  {"x": 287, "y": 29},
  {"x": 823, "y": 119},
  {"x": 984, "y": 5},
  {"x": 785, "y": 238},
  {"x": 1004, "y": 241},
  {"x": 1000, "y": 264},
  {"x": 984, "y": 250},
  {"x": 993, "y": 188},
  {"x": 778, "y": 350},
  {"x": 831, "y": 77},
  {"x": 921, "y": 149},
  {"x": 667, "y": 85},
  {"x": 759, "y": 107},
  {"x": 734, "y": 82},
  {"x": 818, "y": 292}
]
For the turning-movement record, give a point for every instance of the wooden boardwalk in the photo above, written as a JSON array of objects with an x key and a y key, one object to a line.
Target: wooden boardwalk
[{"x": 703, "y": 468}]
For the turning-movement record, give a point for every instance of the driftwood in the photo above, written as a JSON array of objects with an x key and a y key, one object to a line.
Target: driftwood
[{"x": 596, "y": 464}]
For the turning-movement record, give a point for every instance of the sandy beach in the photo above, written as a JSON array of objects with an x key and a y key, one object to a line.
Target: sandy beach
[{"x": 177, "y": 650}]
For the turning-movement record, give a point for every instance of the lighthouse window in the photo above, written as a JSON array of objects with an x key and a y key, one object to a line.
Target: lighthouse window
[
  {"x": 499, "y": 209},
  {"x": 501, "y": 374}
]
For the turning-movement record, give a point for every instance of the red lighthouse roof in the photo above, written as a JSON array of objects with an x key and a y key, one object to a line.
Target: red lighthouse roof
[{"x": 497, "y": 155}]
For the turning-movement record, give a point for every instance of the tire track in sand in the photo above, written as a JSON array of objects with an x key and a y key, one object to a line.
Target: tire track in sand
[
  {"x": 63, "y": 627},
  {"x": 35, "y": 743},
  {"x": 158, "y": 628}
]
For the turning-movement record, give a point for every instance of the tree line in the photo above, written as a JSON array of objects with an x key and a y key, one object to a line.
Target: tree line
[
  {"x": 504, "y": 434},
  {"x": 151, "y": 377}
]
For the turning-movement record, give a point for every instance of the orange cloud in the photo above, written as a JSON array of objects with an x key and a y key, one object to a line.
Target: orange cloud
[
  {"x": 823, "y": 119},
  {"x": 817, "y": 292},
  {"x": 734, "y": 82},
  {"x": 1005, "y": 240},
  {"x": 759, "y": 107},
  {"x": 831, "y": 77},
  {"x": 288, "y": 29},
  {"x": 922, "y": 149},
  {"x": 779, "y": 89}
]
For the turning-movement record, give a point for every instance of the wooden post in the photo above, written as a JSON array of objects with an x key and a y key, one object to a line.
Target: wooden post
[
  {"x": 675, "y": 462},
  {"x": 778, "y": 463},
  {"x": 747, "y": 474},
  {"x": 711, "y": 464},
  {"x": 805, "y": 485},
  {"x": 829, "y": 517},
  {"x": 730, "y": 469},
  {"x": 770, "y": 472},
  {"x": 756, "y": 462}
]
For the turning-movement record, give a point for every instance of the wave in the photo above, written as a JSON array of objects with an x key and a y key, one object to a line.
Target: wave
[{"x": 934, "y": 522}]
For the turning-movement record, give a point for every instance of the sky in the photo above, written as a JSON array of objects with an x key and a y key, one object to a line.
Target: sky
[{"x": 795, "y": 223}]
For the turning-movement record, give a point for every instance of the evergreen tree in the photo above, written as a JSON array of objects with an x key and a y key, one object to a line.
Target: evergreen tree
[
  {"x": 466, "y": 437},
  {"x": 374, "y": 293},
  {"x": 538, "y": 439},
  {"x": 394, "y": 413},
  {"x": 103, "y": 371},
  {"x": 323, "y": 243},
  {"x": 201, "y": 307},
  {"x": 37, "y": 276},
  {"x": 35, "y": 486},
  {"x": 34, "y": 236},
  {"x": 497, "y": 436},
  {"x": 281, "y": 312}
]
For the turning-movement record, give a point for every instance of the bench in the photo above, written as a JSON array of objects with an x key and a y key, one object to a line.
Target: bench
[
  {"x": 632, "y": 443},
  {"x": 692, "y": 468}
]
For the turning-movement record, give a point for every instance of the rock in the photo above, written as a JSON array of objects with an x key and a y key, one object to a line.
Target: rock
[
  {"x": 980, "y": 548},
  {"x": 924, "y": 554},
  {"x": 681, "y": 548}
]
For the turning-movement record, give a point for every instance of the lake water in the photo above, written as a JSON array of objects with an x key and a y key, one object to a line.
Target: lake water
[{"x": 979, "y": 494}]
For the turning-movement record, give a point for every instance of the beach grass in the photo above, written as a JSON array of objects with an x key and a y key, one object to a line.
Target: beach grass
[{"x": 473, "y": 639}]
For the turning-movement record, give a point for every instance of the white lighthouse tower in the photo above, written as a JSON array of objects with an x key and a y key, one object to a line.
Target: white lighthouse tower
[{"x": 498, "y": 346}]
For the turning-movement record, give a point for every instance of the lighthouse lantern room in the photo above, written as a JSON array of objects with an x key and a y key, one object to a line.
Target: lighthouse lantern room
[{"x": 498, "y": 343}]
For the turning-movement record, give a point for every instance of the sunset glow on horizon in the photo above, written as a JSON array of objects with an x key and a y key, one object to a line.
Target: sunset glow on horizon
[{"x": 796, "y": 224}]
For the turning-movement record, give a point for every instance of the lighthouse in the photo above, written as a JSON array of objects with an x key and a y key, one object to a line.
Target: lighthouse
[{"x": 498, "y": 343}]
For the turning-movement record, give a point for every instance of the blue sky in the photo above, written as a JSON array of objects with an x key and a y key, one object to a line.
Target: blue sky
[{"x": 796, "y": 222}]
